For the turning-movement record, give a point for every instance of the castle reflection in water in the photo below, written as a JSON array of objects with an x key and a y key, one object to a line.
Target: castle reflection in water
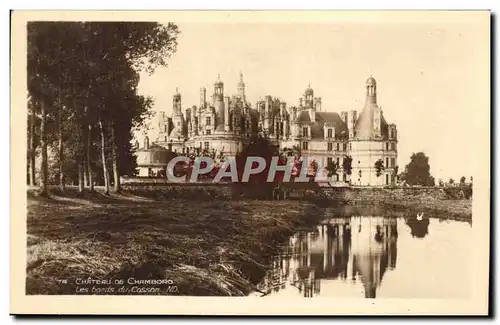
[{"x": 347, "y": 248}]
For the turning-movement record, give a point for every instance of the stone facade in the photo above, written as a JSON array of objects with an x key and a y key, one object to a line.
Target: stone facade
[{"x": 224, "y": 124}]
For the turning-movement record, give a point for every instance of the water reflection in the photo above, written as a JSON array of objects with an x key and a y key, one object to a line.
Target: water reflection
[
  {"x": 419, "y": 226},
  {"x": 351, "y": 255}
]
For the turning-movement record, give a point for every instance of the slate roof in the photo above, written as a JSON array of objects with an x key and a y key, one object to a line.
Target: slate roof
[
  {"x": 317, "y": 128},
  {"x": 332, "y": 119},
  {"x": 364, "y": 124}
]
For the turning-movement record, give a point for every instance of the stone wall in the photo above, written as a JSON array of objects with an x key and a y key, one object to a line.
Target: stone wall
[
  {"x": 359, "y": 194},
  {"x": 160, "y": 188}
]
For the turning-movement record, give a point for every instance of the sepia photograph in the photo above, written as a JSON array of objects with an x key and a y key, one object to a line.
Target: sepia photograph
[{"x": 250, "y": 162}]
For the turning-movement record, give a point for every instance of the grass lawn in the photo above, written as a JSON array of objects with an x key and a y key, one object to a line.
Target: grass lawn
[{"x": 203, "y": 247}]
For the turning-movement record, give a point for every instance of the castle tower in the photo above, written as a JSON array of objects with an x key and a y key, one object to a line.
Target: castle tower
[
  {"x": 370, "y": 120},
  {"x": 371, "y": 101},
  {"x": 176, "y": 104},
  {"x": 371, "y": 91},
  {"x": 241, "y": 88},
  {"x": 267, "y": 113},
  {"x": 309, "y": 103},
  {"x": 203, "y": 97},
  {"x": 218, "y": 99},
  {"x": 177, "y": 116},
  {"x": 194, "y": 121},
  {"x": 284, "y": 118},
  {"x": 352, "y": 117},
  {"x": 309, "y": 97}
]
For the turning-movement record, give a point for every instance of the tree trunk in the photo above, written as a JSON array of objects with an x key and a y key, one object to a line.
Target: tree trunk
[
  {"x": 103, "y": 157},
  {"x": 89, "y": 160},
  {"x": 61, "y": 150},
  {"x": 85, "y": 173},
  {"x": 81, "y": 185},
  {"x": 114, "y": 150},
  {"x": 43, "y": 144},
  {"x": 32, "y": 147}
]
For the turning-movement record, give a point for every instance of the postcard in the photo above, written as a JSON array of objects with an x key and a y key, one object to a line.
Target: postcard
[{"x": 250, "y": 162}]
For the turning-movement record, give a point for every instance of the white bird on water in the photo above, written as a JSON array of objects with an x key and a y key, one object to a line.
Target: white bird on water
[{"x": 420, "y": 216}]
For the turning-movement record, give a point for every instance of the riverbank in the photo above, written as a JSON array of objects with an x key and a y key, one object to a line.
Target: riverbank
[
  {"x": 198, "y": 247},
  {"x": 203, "y": 247}
]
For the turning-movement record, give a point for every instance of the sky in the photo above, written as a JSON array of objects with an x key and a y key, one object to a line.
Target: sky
[{"x": 430, "y": 76}]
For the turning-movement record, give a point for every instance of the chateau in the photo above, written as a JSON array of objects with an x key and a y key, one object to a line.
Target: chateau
[{"x": 224, "y": 124}]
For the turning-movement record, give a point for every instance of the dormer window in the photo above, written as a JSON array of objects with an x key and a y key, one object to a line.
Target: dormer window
[
  {"x": 330, "y": 133},
  {"x": 208, "y": 121},
  {"x": 305, "y": 132}
]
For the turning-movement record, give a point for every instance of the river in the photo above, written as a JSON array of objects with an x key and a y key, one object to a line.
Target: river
[{"x": 374, "y": 257}]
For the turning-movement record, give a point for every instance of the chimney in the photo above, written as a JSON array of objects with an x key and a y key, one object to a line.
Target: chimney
[
  {"x": 203, "y": 97},
  {"x": 146, "y": 142},
  {"x": 226, "y": 113},
  {"x": 283, "y": 108},
  {"x": 318, "y": 104}
]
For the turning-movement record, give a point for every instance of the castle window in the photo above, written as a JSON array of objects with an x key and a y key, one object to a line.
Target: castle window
[
  {"x": 350, "y": 146},
  {"x": 330, "y": 146},
  {"x": 207, "y": 145},
  {"x": 386, "y": 179},
  {"x": 344, "y": 147},
  {"x": 338, "y": 161},
  {"x": 329, "y": 161},
  {"x": 393, "y": 162},
  {"x": 305, "y": 132},
  {"x": 208, "y": 121},
  {"x": 387, "y": 146},
  {"x": 393, "y": 146},
  {"x": 305, "y": 145},
  {"x": 165, "y": 139},
  {"x": 330, "y": 133},
  {"x": 386, "y": 162},
  {"x": 208, "y": 132},
  {"x": 165, "y": 128},
  {"x": 338, "y": 146},
  {"x": 178, "y": 124}
]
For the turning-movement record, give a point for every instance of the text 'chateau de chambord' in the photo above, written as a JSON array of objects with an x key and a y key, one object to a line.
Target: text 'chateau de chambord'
[{"x": 225, "y": 124}]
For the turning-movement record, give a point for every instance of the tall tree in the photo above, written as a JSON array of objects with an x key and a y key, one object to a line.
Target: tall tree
[
  {"x": 32, "y": 121},
  {"x": 331, "y": 168},
  {"x": 90, "y": 70},
  {"x": 347, "y": 165},
  {"x": 379, "y": 167},
  {"x": 417, "y": 172}
]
